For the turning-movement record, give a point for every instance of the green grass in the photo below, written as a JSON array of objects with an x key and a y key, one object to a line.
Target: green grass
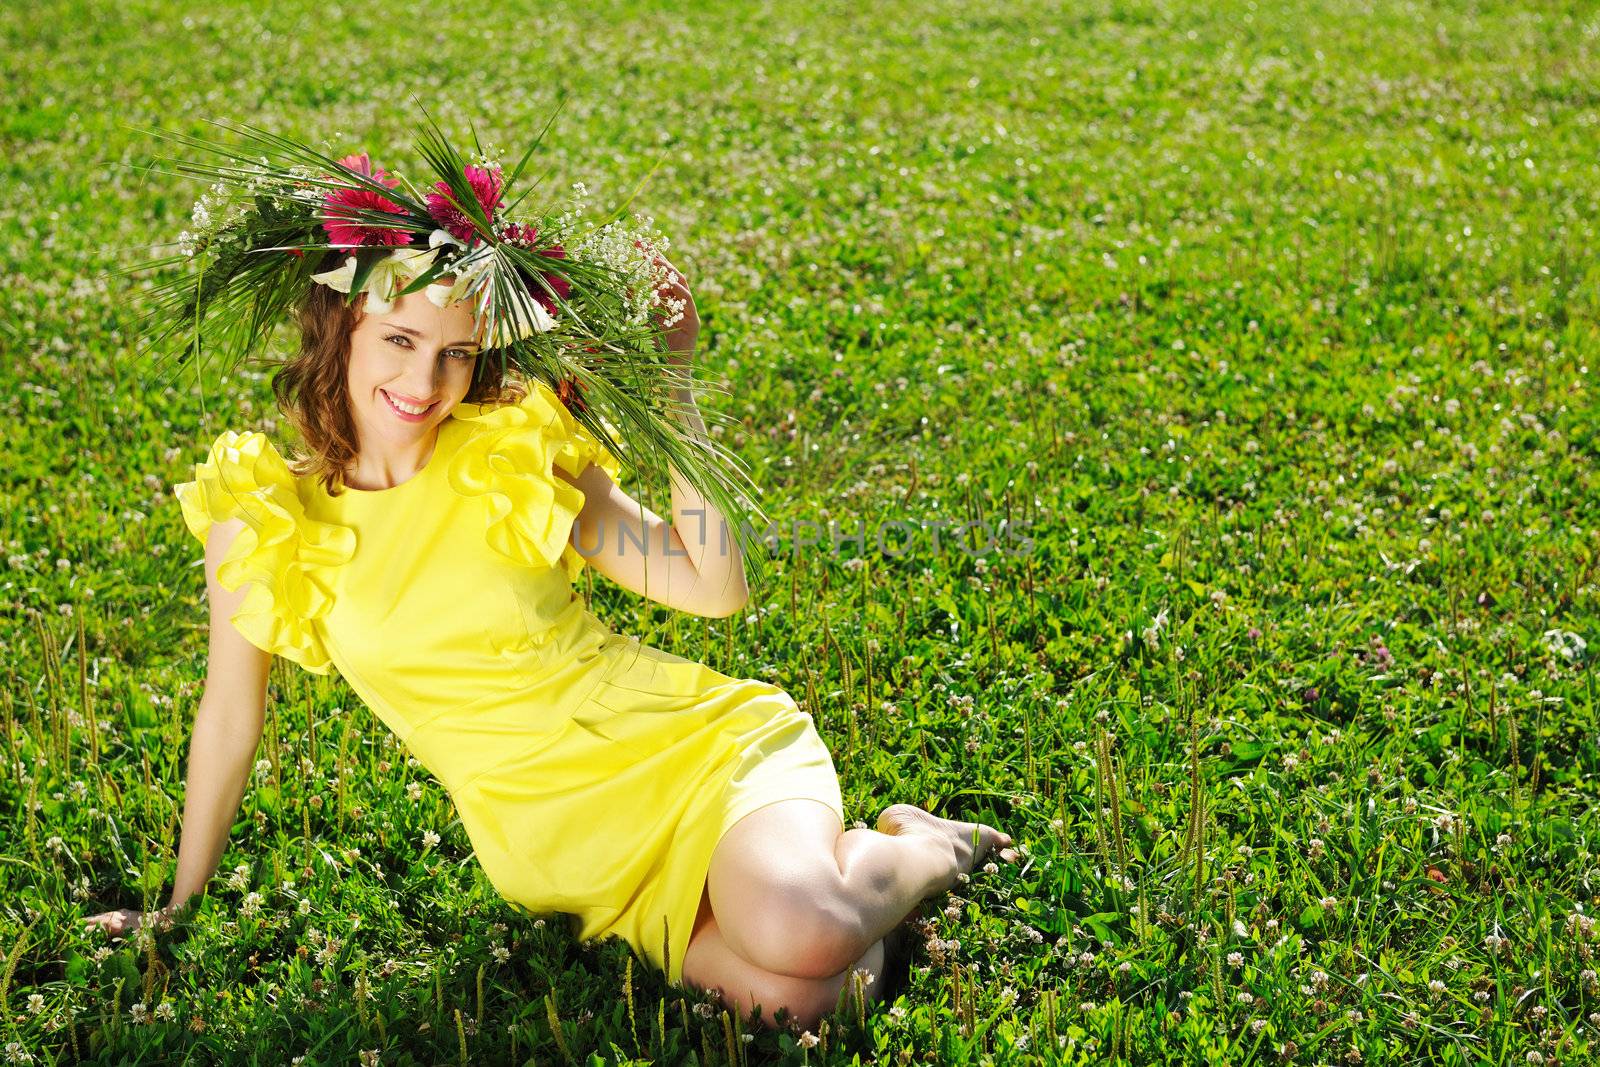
[{"x": 1274, "y": 322}]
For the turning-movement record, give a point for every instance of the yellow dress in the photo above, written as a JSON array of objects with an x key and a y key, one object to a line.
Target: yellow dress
[{"x": 593, "y": 774}]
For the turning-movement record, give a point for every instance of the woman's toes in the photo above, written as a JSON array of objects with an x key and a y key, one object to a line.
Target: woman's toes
[{"x": 893, "y": 819}]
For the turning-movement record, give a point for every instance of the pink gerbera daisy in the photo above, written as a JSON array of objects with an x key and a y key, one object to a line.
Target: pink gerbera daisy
[
  {"x": 340, "y": 209},
  {"x": 486, "y": 185},
  {"x": 526, "y": 237},
  {"x": 561, "y": 286}
]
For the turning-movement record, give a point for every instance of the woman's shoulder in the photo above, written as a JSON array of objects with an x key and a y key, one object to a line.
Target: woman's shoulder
[
  {"x": 510, "y": 454},
  {"x": 279, "y": 548},
  {"x": 539, "y": 419},
  {"x": 236, "y": 462}
]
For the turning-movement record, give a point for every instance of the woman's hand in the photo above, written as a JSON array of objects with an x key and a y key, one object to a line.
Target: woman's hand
[
  {"x": 682, "y": 335},
  {"x": 124, "y": 921}
]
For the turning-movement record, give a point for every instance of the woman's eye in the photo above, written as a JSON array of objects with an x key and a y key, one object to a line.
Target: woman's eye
[{"x": 455, "y": 353}]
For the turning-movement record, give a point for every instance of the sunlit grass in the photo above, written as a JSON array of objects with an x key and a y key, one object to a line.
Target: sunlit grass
[{"x": 1273, "y": 327}]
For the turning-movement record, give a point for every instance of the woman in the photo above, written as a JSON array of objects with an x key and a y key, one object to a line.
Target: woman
[{"x": 427, "y": 551}]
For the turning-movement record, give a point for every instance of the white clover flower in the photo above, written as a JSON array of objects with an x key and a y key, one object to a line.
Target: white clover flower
[
  {"x": 429, "y": 839},
  {"x": 1564, "y": 643},
  {"x": 1152, "y": 633}
]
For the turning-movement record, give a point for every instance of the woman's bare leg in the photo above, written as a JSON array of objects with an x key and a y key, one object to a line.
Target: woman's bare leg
[
  {"x": 794, "y": 896},
  {"x": 710, "y": 964}
]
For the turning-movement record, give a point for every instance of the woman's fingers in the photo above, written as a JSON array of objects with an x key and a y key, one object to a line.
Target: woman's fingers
[
  {"x": 116, "y": 923},
  {"x": 110, "y": 922}
]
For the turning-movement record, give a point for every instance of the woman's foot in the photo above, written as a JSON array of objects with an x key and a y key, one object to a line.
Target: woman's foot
[{"x": 910, "y": 819}]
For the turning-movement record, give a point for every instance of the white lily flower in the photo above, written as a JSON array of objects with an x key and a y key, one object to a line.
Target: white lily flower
[
  {"x": 469, "y": 270},
  {"x": 393, "y": 273},
  {"x": 339, "y": 278},
  {"x": 387, "y": 277},
  {"x": 527, "y": 317},
  {"x": 442, "y": 236}
]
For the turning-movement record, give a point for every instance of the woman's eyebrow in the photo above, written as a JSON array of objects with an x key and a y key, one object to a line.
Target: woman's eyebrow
[{"x": 418, "y": 333}]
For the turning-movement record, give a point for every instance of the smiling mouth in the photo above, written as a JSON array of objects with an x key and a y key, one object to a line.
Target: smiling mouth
[{"x": 403, "y": 411}]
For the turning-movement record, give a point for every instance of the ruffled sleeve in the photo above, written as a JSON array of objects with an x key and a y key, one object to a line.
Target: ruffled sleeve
[
  {"x": 281, "y": 552},
  {"x": 510, "y": 457}
]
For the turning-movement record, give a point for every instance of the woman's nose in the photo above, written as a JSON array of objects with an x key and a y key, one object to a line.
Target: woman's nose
[{"x": 423, "y": 378}]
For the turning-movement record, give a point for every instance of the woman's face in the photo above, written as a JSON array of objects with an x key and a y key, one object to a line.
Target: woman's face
[{"x": 409, "y": 367}]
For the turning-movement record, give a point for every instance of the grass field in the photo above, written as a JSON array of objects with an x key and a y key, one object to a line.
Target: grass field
[{"x": 1272, "y": 325}]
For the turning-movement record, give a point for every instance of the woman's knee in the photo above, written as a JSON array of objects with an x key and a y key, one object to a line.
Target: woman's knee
[
  {"x": 800, "y": 934},
  {"x": 779, "y": 895},
  {"x": 712, "y": 963},
  {"x": 801, "y": 1002}
]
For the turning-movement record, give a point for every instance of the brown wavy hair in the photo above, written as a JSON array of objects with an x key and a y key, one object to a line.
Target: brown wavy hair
[{"x": 313, "y": 390}]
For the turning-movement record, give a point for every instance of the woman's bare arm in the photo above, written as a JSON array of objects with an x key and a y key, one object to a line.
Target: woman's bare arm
[
  {"x": 222, "y": 747},
  {"x": 692, "y": 563}
]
